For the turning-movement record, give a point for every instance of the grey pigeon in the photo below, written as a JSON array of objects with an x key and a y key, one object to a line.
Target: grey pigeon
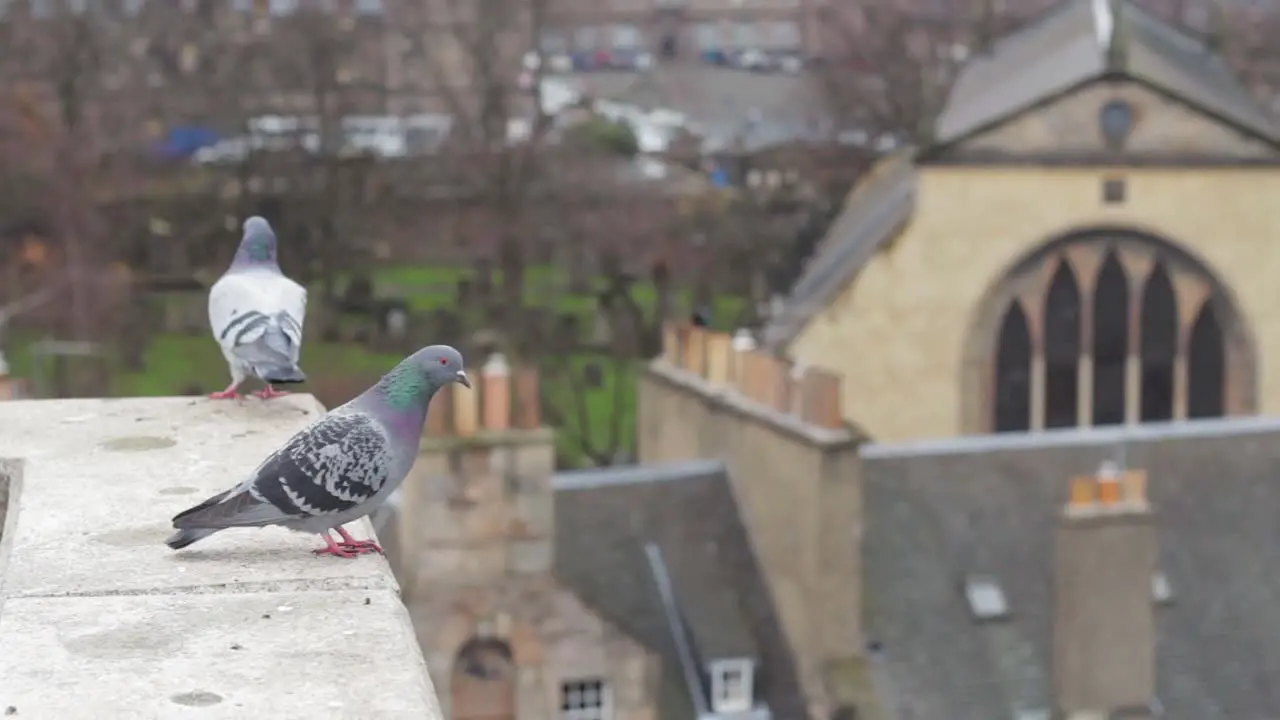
[
  {"x": 257, "y": 313},
  {"x": 341, "y": 467}
]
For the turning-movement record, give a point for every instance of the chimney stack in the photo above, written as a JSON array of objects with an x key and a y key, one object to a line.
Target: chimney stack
[
  {"x": 478, "y": 504},
  {"x": 1104, "y": 634}
]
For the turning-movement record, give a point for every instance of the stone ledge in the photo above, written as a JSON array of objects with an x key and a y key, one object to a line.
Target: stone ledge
[{"x": 94, "y": 601}]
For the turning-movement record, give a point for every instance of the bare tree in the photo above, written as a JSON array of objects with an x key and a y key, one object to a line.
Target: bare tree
[
  {"x": 53, "y": 73},
  {"x": 888, "y": 68},
  {"x": 472, "y": 55}
]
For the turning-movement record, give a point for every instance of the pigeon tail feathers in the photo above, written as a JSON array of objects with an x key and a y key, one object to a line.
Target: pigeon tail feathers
[
  {"x": 183, "y": 538},
  {"x": 280, "y": 374},
  {"x": 271, "y": 355}
]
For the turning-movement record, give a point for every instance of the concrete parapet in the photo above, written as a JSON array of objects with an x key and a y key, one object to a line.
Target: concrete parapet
[{"x": 100, "y": 619}]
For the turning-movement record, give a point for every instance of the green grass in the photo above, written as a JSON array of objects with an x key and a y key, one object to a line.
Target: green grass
[
  {"x": 174, "y": 362},
  {"x": 593, "y": 420},
  {"x": 427, "y": 288}
]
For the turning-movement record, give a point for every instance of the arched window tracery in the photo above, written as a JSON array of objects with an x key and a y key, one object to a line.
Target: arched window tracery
[{"x": 1111, "y": 344}]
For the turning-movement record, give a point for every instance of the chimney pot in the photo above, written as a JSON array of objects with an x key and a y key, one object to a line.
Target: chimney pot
[
  {"x": 1083, "y": 493},
  {"x": 440, "y": 412},
  {"x": 719, "y": 352},
  {"x": 496, "y": 393},
  {"x": 528, "y": 410},
  {"x": 1135, "y": 487},
  {"x": 496, "y": 365},
  {"x": 465, "y": 412},
  {"x": 1109, "y": 490},
  {"x": 671, "y": 343}
]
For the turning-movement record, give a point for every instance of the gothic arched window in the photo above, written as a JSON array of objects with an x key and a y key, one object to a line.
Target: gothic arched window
[
  {"x": 1159, "y": 323},
  {"x": 1062, "y": 349},
  {"x": 1206, "y": 366},
  {"x": 1110, "y": 342},
  {"x": 1013, "y": 372},
  {"x": 1121, "y": 353}
]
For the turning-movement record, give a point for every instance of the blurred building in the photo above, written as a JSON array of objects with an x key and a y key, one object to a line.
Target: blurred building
[{"x": 1058, "y": 255}]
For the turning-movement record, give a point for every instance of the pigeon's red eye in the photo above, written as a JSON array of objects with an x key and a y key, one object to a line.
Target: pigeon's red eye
[{"x": 444, "y": 361}]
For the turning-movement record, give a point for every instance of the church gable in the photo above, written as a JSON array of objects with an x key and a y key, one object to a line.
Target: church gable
[{"x": 1072, "y": 126}]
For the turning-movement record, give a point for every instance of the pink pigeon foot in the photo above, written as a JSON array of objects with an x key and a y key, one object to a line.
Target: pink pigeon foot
[
  {"x": 358, "y": 547},
  {"x": 332, "y": 548},
  {"x": 269, "y": 392},
  {"x": 227, "y": 394}
]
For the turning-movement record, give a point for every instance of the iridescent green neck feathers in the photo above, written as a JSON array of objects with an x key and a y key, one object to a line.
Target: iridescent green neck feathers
[{"x": 406, "y": 387}]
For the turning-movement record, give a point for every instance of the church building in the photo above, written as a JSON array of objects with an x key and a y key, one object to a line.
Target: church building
[{"x": 1091, "y": 238}]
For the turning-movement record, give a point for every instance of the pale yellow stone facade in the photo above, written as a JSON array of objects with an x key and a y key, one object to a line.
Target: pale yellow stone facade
[{"x": 901, "y": 332}]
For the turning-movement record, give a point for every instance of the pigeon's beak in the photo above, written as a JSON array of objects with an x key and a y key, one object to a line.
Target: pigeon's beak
[{"x": 462, "y": 378}]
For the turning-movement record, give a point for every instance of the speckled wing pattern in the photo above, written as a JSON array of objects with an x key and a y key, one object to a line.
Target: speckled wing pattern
[{"x": 336, "y": 465}]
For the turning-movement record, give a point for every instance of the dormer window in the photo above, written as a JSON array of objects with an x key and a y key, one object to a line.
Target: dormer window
[{"x": 731, "y": 685}]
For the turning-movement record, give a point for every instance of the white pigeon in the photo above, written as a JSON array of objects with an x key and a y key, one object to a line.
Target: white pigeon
[{"x": 256, "y": 314}]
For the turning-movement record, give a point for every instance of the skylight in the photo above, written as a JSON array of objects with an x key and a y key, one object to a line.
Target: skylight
[
  {"x": 1161, "y": 592},
  {"x": 986, "y": 598}
]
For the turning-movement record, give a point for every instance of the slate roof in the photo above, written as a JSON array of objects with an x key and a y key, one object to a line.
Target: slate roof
[
  {"x": 1055, "y": 52},
  {"x": 625, "y": 534},
  {"x": 1067, "y": 46},
  {"x": 987, "y": 505},
  {"x": 876, "y": 210}
]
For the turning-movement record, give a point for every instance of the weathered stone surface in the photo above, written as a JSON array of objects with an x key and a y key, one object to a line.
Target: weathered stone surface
[{"x": 100, "y": 619}]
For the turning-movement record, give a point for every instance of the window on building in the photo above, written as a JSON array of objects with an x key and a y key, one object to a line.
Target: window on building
[
  {"x": 482, "y": 684},
  {"x": 585, "y": 699},
  {"x": 1108, "y": 337},
  {"x": 783, "y": 35},
  {"x": 1062, "y": 348},
  {"x": 745, "y": 36},
  {"x": 586, "y": 38},
  {"x": 706, "y": 36},
  {"x": 1159, "y": 345},
  {"x": 1110, "y": 342},
  {"x": 1013, "y": 372},
  {"x": 369, "y": 7},
  {"x": 731, "y": 685},
  {"x": 1114, "y": 191},
  {"x": 1206, "y": 365},
  {"x": 627, "y": 37},
  {"x": 552, "y": 42},
  {"x": 283, "y": 7}
]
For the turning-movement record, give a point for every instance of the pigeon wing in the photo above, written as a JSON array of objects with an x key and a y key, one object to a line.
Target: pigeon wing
[
  {"x": 233, "y": 310},
  {"x": 243, "y": 304},
  {"x": 290, "y": 303},
  {"x": 335, "y": 465}
]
